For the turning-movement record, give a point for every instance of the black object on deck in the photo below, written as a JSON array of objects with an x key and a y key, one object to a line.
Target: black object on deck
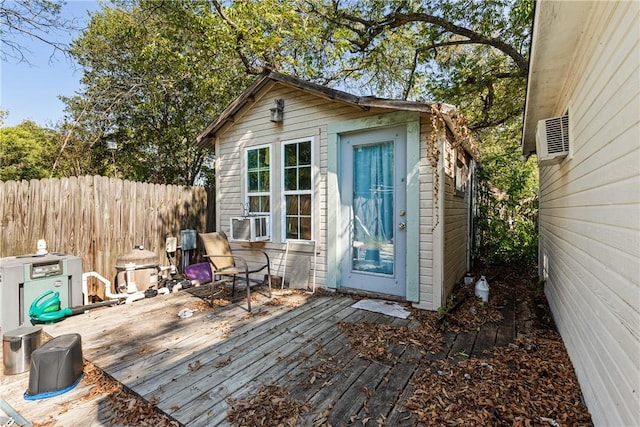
[{"x": 56, "y": 367}]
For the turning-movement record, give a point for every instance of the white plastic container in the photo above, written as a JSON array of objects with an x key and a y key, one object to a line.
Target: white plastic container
[{"x": 482, "y": 289}]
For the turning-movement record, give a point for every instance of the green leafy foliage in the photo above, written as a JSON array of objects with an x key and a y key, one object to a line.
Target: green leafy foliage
[
  {"x": 472, "y": 54},
  {"x": 154, "y": 77},
  {"x": 26, "y": 151},
  {"x": 156, "y": 74},
  {"x": 508, "y": 201}
]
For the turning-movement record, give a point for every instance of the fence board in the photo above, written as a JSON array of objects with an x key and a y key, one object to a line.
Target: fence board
[{"x": 97, "y": 218}]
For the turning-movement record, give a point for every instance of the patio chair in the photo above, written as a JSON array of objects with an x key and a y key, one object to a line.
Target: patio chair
[{"x": 224, "y": 262}]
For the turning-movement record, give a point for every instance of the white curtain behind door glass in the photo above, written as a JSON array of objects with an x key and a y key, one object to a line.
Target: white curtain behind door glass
[{"x": 373, "y": 193}]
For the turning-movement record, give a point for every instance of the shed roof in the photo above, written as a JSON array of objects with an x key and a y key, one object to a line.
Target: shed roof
[
  {"x": 557, "y": 27},
  {"x": 449, "y": 113}
]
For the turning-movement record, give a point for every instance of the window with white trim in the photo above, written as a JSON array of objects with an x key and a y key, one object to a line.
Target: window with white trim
[
  {"x": 297, "y": 189},
  {"x": 462, "y": 172},
  {"x": 258, "y": 180}
]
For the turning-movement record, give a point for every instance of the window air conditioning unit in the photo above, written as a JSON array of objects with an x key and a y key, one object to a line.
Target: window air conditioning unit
[
  {"x": 552, "y": 139},
  {"x": 250, "y": 228}
]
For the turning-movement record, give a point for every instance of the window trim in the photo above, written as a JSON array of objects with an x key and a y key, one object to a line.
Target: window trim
[
  {"x": 460, "y": 174},
  {"x": 269, "y": 193},
  {"x": 285, "y": 193}
]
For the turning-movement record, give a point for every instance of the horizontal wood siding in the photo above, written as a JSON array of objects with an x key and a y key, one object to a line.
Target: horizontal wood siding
[
  {"x": 96, "y": 218},
  {"x": 590, "y": 216},
  {"x": 456, "y": 223},
  {"x": 305, "y": 115},
  {"x": 427, "y": 209}
]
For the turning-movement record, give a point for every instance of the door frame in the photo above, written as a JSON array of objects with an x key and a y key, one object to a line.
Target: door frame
[
  {"x": 411, "y": 120},
  {"x": 394, "y": 282}
]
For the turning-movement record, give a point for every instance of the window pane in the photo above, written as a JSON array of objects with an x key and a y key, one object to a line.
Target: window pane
[
  {"x": 253, "y": 181},
  {"x": 292, "y": 205},
  {"x": 305, "y": 228},
  {"x": 252, "y": 159},
  {"x": 292, "y": 228},
  {"x": 290, "y": 181},
  {"x": 297, "y": 179},
  {"x": 265, "y": 204},
  {"x": 290, "y": 155},
  {"x": 304, "y": 155},
  {"x": 254, "y": 204},
  {"x": 305, "y": 178},
  {"x": 258, "y": 204},
  {"x": 264, "y": 157},
  {"x": 264, "y": 181},
  {"x": 305, "y": 204}
]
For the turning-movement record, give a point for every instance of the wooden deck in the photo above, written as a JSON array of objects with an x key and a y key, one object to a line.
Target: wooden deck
[{"x": 192, "y": 366}]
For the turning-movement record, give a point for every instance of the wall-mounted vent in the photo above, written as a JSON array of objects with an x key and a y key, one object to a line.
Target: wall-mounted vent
[
  {"x": 250, "y": 228},
  {"x": 552, "y": 139}
]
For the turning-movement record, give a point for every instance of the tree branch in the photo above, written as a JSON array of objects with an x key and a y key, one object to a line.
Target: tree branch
[
  {"x": 414, "y": 66},
  {"x": 36, "y": 19},
  {"x": 396, "y": 19},
  {"x": 250, "y": 68},
  {"x": 486, "y": 123}
]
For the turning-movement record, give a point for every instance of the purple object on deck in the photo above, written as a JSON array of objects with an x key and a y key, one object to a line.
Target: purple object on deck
[{"x": 200, "y": 271}]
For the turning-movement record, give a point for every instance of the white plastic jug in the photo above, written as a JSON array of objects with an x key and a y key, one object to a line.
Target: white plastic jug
[{"x": 482, "y": 289}]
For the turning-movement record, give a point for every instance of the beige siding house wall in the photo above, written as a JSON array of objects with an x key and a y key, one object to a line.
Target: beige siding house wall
[
  {"x": 307, "y": 116},
  {"x": 456, "y": 218},
  {"x": 324, "y": 116},
  {"x": 586, "y": 61},
  {"x": 427, "y": 224}
]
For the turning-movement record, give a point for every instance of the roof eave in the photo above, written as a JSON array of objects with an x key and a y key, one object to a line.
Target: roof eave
[
  {"x": 207, "y": 137},
  {"x": 557, "y": 28},
  {"x": 363, "y": 102}
]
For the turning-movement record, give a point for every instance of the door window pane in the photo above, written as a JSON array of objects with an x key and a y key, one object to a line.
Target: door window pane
[{"x": 373, "y": 208}]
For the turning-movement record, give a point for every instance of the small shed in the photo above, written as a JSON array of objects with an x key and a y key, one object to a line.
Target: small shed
[
  {"x": 584, "y": 81},
  {"x": 380, "y": 190}
]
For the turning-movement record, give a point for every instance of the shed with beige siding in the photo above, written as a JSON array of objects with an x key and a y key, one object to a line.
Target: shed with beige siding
[
  {"x": 380, "y": 188},
  {"x": 585, "y": 67}
]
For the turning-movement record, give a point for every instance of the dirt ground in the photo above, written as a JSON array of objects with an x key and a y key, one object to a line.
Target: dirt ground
[{"x": 530, "y": 382}]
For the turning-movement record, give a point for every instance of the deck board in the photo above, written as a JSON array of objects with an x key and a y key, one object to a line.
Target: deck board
[
  {"x": 216, "y": 386},
  {"x": 193, "y": 366},
  {"x": 295, "y": 371},
  {"x": 462, "y": 346},
  {"x": 389, "y": 389},
  {"x": 485, "y": 341},
  {"x": 225, "y": 349}
]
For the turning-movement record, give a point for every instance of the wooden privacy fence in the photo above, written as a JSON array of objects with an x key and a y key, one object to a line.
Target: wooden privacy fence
[{"x": 96, "y": 218}]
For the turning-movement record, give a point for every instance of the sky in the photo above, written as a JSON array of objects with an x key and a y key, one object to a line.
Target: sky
[{"x": 30, "y": 90}]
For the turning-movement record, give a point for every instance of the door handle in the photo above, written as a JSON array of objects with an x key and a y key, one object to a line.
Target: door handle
[{"x": 402, "y": 226}]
